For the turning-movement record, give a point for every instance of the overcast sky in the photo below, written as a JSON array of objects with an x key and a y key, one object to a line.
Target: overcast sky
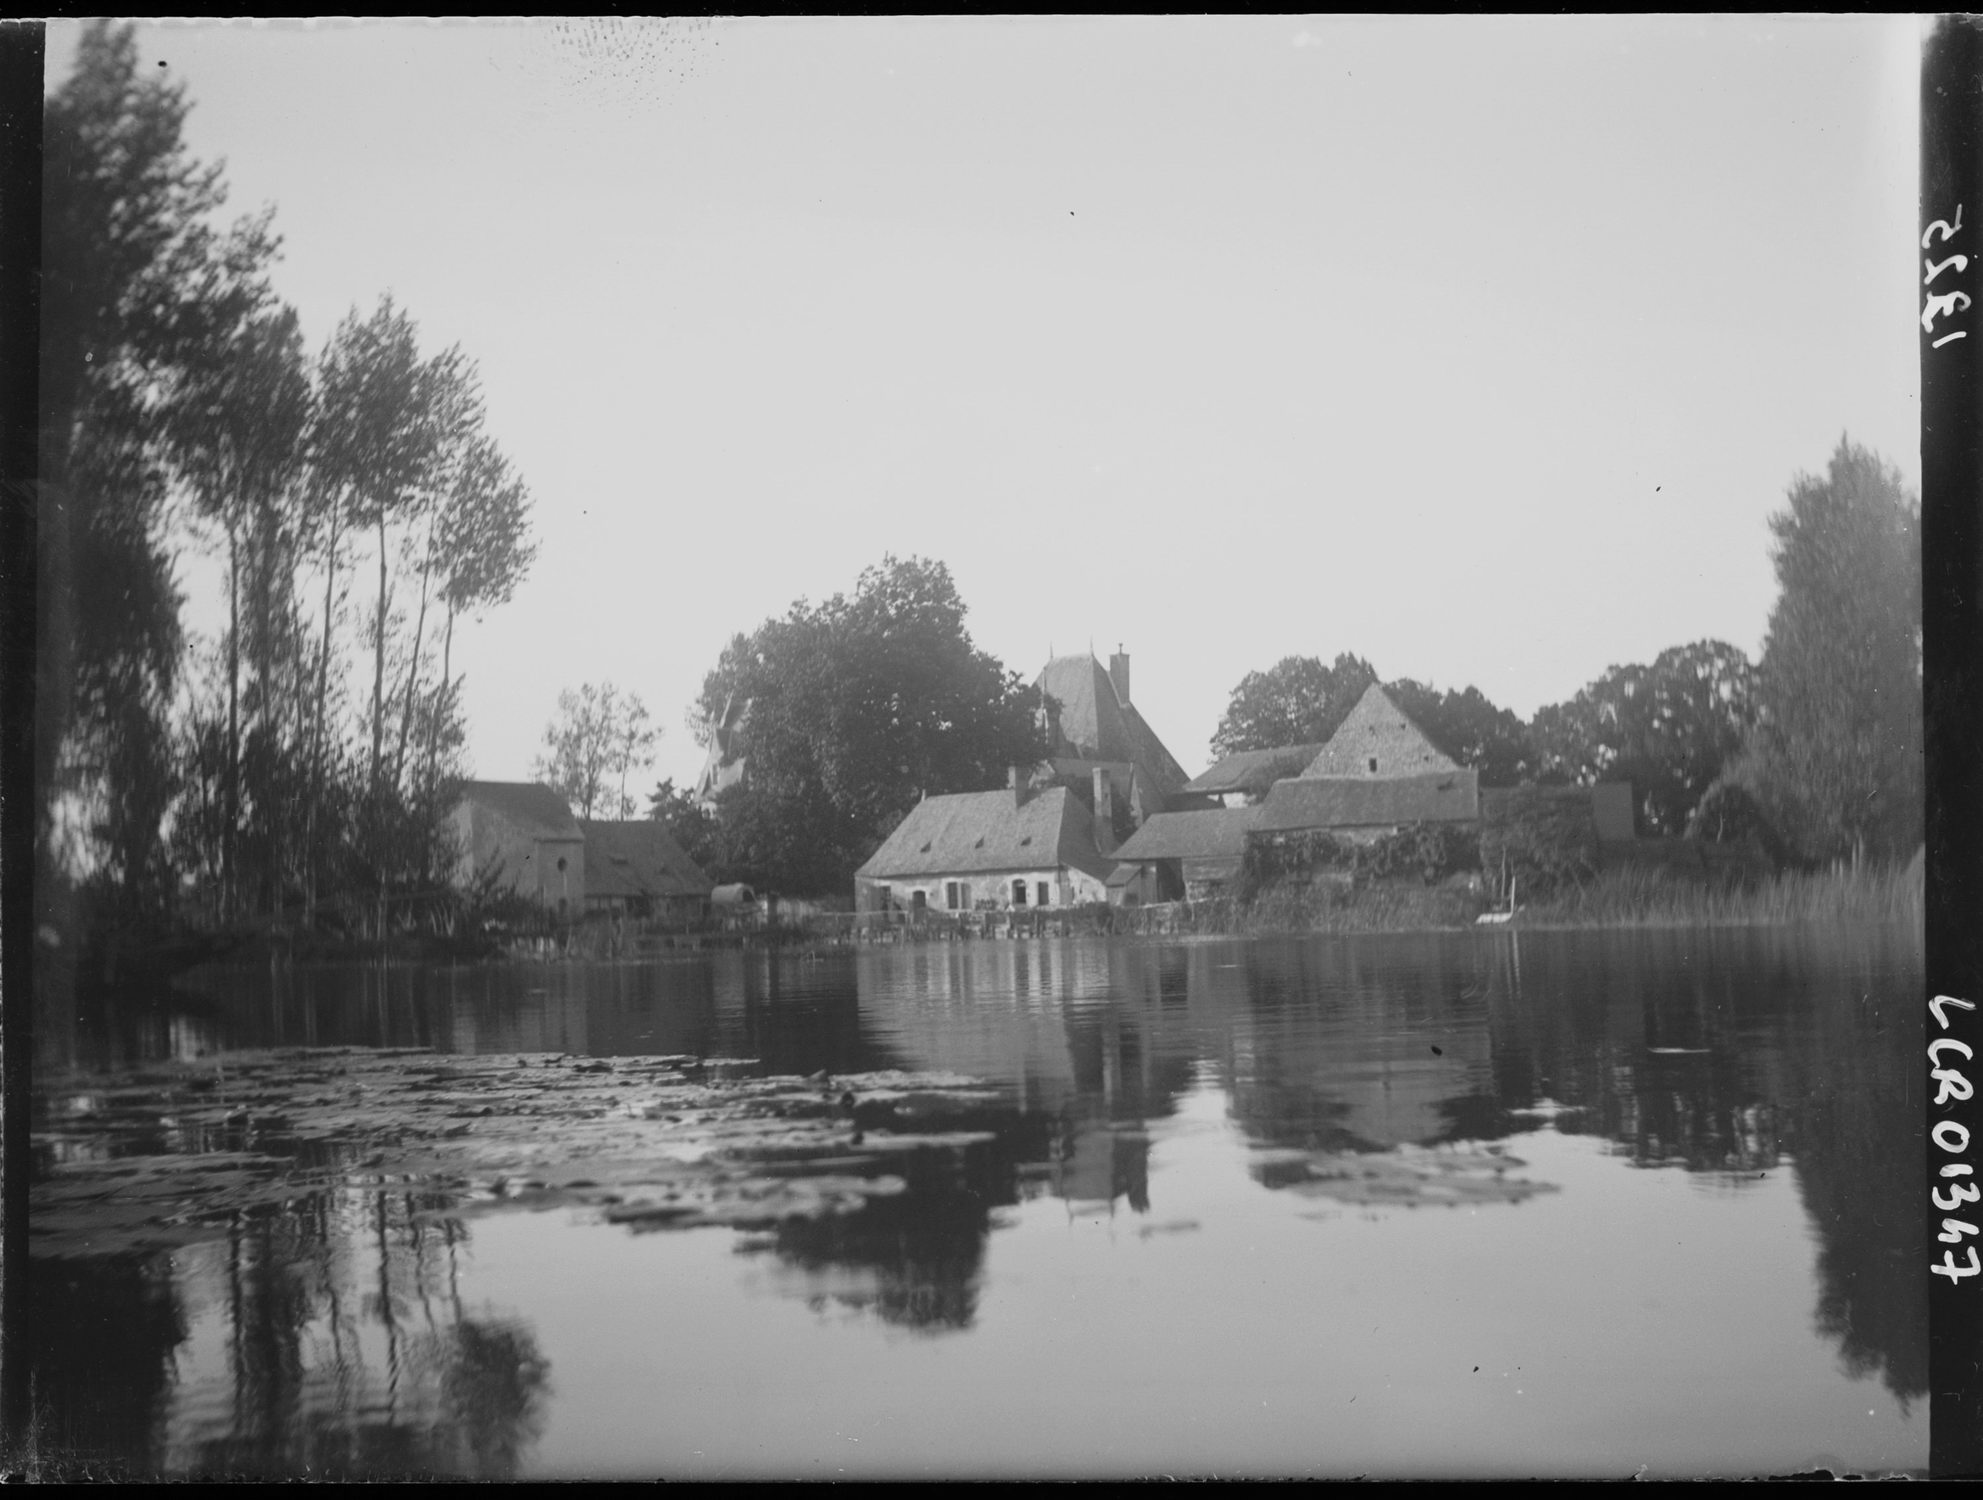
[{"x": 1480, "y": 347}]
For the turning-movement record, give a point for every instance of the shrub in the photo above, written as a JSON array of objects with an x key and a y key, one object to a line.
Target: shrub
[
  {"x": 1538, "y": 839},
  {"x": 1729, "y": 814},
  {"x": 1431, "y": 851}
]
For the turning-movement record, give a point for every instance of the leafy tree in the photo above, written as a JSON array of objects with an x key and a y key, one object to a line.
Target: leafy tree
[
  {"x": 1297, "y": 701},
  {"x": 376, "y": 439},
  {"x": 858, "y": 707},
  {"x": 1836, "y": 757},
  {"x": 482, "y": 540},
  {"x": 597, "y": 740},
  {"x": 138, "y": 287},
  {"x": 1669, "y": 728},
  {"x": 236, "y": 434},
  {"x": 688, "y": 822}
]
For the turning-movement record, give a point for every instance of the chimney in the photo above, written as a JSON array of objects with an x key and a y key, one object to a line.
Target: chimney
[
  {"x": 1017, "y": 781},
  {"x": 1119, "y": 674},
  {"x": 1104, "y": 811}
]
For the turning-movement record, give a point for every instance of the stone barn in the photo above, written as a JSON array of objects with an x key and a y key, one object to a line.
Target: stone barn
[{"x": 525, "y": 833}]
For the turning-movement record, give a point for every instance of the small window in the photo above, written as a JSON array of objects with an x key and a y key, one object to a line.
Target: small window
[
  {"x": 1018, "y": 893},
  {"x": 1373, "y": 765},
  {"x": 1045, "y": 894}
]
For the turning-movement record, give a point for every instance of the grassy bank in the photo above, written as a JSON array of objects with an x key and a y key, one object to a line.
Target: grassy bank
[
  {"x": 1628, "y": 896},
  {"x": 1637, "y": 897}
]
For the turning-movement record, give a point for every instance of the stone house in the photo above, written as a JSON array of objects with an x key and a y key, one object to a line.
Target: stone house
[
  {"x": 525, "y": 833},
  {"x": 1012, "y": 849},
  {"x": 636, "y": 869}
]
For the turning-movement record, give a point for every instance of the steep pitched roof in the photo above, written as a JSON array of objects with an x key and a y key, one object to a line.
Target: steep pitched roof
[
  {"x": 1216, "y": 834},
  {"x": 1095, "y": 724},
  {"x": 1253, "y": 771},
  {"x": 531, "y": 806},
  {"x": 1378, "y": 726},
  {"x": 1369, "y": 802},
  {"x": 638, "y": 859},
  {"x": 977, "y": 832}
]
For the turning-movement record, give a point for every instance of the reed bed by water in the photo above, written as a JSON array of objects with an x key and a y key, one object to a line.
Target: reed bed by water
[{"x": 1641, "y": 897}]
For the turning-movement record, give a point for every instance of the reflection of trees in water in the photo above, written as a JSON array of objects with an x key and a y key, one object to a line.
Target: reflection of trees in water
[
  {"x": 915, "y": 1259},
  {"x": 1858, "y": 1137},
  {"x": 1783, "y": 1042},
  {"x": 100, "y": 1342},
  {"x": 327, "y": 1337},
  {"x": 1356, "y": 1047}
]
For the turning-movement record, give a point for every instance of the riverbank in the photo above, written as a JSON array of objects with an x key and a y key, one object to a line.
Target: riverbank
[{"x": 1628, "y": 896}]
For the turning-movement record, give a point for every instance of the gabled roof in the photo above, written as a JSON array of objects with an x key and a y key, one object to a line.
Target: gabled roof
[
  {"x": 977, "y": 832},
  {"x": 1369, "y": 801},
  {"x": 1217, "y": 834},
  {"x": 531, "y": 806},
  {"x": 1095, "y": 724},
  {"x": 1376, "y": 723},
  {"x": 1253, "y": 771},
  {"x": 638, "y": 859}
]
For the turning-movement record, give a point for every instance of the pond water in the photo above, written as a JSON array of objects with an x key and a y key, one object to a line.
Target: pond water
[{"x": 1702, "y": 1258}]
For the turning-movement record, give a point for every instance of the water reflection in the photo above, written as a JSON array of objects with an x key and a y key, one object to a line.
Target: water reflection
[
  {"x": 333, "y": 1334},
  {"x": 326, "y": 1337}
]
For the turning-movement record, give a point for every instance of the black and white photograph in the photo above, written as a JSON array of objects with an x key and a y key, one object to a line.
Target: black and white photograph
[{"x": 981, "y": 748}]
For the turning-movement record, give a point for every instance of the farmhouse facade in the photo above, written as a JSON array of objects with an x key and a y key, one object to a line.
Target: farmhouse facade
[{"x": 1012, "y": 849}]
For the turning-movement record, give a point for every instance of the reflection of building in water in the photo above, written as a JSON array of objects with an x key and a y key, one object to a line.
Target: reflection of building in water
[
  {"x": 327, "y": 1336},
  {"x": 1096, "y": 1038}
]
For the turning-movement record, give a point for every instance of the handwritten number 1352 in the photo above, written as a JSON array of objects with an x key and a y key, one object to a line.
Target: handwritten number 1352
[{"x": 1944, "y": 304}]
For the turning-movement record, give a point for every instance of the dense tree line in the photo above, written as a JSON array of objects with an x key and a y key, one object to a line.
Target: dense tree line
[
  {"x": 1815, "y": 751},
  {"x": 237, "y": 777}
]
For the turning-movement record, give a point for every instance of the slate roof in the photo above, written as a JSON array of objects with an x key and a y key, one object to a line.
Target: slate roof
[
  {"x": 1253, "y": 771},
  {"x": 1217, "y": 834},
  {"x": 638, "y": 859},
  {"x": 531, "y": 806},
  {"x": 975, "y": 832},
  {"x": 1369, "y": 802},
  {"x": 1095, "y": 724}
]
